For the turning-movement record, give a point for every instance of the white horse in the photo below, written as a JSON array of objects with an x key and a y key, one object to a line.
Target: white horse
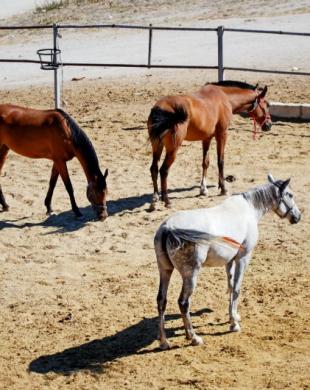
[{"x": 224, "y": 235}]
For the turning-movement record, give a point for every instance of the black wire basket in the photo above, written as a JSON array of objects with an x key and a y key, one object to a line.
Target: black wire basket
[{"x": 49, "y": 58}]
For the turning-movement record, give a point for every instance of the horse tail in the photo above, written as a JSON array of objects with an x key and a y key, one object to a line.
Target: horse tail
[
  {"x": 162, "y": 121},
  {"x": 176, "y": 238}
]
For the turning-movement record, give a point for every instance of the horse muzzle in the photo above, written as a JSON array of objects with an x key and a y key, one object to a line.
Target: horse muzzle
[
  {"x": 267, "y": 126},
  {"x": 101, "y": 212},
  {"x": 295, "y": 218}
]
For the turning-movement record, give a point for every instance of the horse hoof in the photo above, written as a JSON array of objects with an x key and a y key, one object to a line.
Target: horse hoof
[
  {"x": 5, "y": 208},
  {"x": 196, "y": 340},
  {"x": 164, "y": 346},
  {"x": 235, "y": 328},
  {"x": 168, "y": 205},
  {"x": 152, "y": 207},
  {"x": 204, "y": 192}
]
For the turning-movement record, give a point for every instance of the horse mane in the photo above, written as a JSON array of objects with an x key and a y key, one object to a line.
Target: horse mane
[
  {"x": 232, "y": 83},
  {"x": 263, "y": 197},
  {"x": 82, "y": 142}
]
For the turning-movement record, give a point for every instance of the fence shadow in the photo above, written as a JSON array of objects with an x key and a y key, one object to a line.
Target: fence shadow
[{"x": 95, "y": 354}]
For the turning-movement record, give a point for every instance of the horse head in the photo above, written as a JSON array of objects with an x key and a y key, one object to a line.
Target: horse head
[
  {"x": 285, "y": 206},
  {"x": 96, "y": 194},
  {"x": 259, "y": 110}
]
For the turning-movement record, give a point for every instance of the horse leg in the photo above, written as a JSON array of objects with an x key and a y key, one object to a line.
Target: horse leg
[
  {"x": 157, "y": 151},
  {"x": 4, "y": 150},
  {"x": 168, "y": 161},
  {"x": 165, "y": 268},
  {"x": 61, "y": 166},
  {"x": 230, "y": 271},
  {"x": 52, "y": 184},
  {"x": 189, "y": 284},
  {"x": 165, "y": 275},
  {"x": 221, "y": 138},
  {"x": 205, "y": 165},
  {"x": 234, "y": 317}
]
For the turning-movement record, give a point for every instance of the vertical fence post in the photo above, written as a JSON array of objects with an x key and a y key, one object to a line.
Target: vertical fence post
[
  {"x": 150, "y": 46},
  {"x": 55, "y": 63},
  {"x": 220, "y": 32}
]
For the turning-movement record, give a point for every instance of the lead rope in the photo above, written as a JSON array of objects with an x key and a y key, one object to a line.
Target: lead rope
[{"x": 255, "y": 133}]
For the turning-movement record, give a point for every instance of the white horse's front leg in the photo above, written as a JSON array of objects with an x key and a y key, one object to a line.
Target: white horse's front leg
[
  {"x": 230, "y": 271},
  {"x": 234, "y": 317}
]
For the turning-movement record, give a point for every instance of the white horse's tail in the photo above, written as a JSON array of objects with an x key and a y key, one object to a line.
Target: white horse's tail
[{"x": 177, "y": 237}]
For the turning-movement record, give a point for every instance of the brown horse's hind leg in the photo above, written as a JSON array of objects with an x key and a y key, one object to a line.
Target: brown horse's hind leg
[
  {"x": 168, "y": 161},
  {"x": 221, "y": 138},
  {"x": 205, "y": 165},
  {"x": 53, "y": 181},
  {"x": 63, "y": 171},
  {"x": 157, "y": 151},
  {"x": 4, "y": 150}
]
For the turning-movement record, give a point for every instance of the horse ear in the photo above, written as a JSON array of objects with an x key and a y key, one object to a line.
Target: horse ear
[
  {"x": 263, "y": 93},
  {"x": 106, "y": 173},
  {"x": 270, "y": 178},
  {"x": 285, "y": 184}
]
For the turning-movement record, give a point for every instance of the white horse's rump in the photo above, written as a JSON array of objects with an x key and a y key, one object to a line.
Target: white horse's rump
[{"x": 224, "y": 235}]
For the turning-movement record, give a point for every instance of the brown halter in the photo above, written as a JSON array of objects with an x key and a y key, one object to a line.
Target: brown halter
[{"x": 257, "y": 103}]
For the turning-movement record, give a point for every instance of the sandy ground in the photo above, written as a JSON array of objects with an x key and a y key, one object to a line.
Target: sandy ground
[{"x": 78, "y": 297}]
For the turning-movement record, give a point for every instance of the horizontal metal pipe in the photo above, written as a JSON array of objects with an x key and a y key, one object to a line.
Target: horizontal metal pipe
[
  {"x": 157, "y": 66},
  {"x": 267, "y": 71},
  {"x": 25, "y": 27},
  {"x": 139, "y": 27},
  {"x": 267, "y": 32},
  {"x": 135, "y": 27},
  {"x": 139, "y": 65},
  {"x": 21, "y": 61}
]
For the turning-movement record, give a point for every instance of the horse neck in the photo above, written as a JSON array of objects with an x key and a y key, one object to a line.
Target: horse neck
[
  {"x": 239, "y": 98},
  {"x": 90, "y": 165},
  {"x": 262, "y": 199},
  {"x": 83, "y": 147}
]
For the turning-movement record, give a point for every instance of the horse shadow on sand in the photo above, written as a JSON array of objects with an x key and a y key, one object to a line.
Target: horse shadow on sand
[
  {"x": 94, "y": 355},
  {"x": 65, "y": 222}
]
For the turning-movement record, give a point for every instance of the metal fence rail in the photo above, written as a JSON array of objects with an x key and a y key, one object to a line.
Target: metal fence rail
[{"x": 220, "y": 49}]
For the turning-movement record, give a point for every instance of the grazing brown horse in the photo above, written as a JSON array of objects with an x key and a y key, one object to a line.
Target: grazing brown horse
[
  {"x": 200, "y": 116},
  {"x": 54, "y": 135}
]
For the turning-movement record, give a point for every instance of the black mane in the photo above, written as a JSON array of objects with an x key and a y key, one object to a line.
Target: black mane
[
  {"x": 232, "y": 83},
  {"x": 82, "y": 143}
]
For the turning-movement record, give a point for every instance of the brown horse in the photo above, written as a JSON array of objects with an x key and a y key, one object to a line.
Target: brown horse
[
  {"x": 200, "y": 116},
  {"x": 54, "y": 135}
]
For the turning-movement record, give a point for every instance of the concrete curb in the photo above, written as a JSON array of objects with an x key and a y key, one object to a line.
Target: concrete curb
[{"x": 290, "y": 111}]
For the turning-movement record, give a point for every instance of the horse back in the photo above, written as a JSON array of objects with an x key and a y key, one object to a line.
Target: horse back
[
  {"x": 21, "y": 116},
  {"x": 35, "y": 133}
]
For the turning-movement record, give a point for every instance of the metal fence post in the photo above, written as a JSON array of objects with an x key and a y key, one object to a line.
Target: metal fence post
[
  {"x": 150, "y": 46},
  {"x": 55, "y": 63},
  {"x": 220, "y": 32}
]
